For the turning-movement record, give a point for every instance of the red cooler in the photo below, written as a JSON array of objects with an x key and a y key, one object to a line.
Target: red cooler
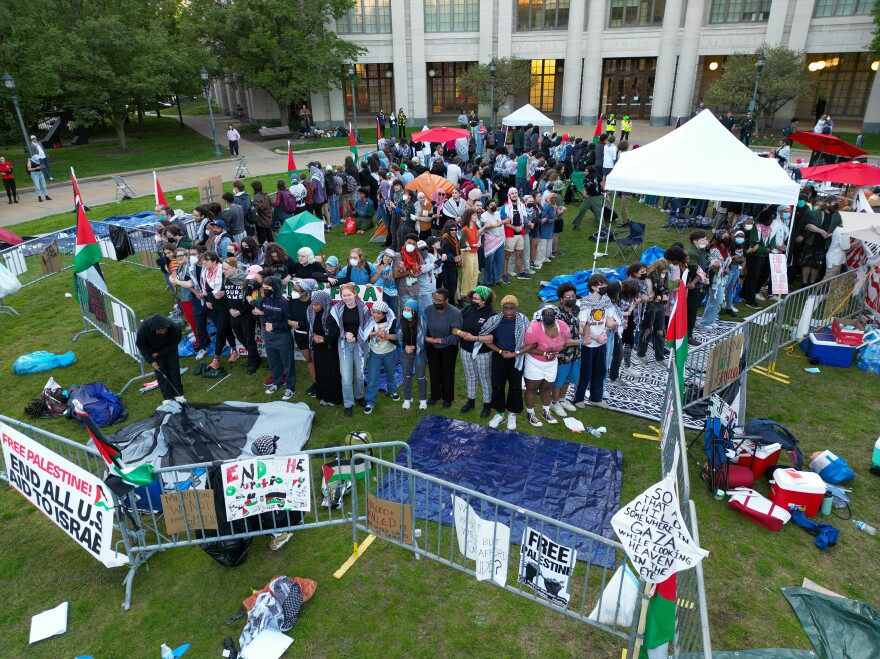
[
  {"x": 798, "y": 488},
  {"x": 758, "y": 458}
]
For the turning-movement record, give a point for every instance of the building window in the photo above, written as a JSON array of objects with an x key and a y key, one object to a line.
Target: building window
[
  {"x": 452, "y": 15},
  {"x": 825, "y": 8},
  {"x": 445, "y": 94},
  {"x": 542, "y": 15},
  {"x": 628, "y": 87},
  {"x": 741, "y": 11},
  {"x": 543, "y": 91},
  {"x": 844, "y": 81},
  {"x": 366, "y": 17},
  {"x": 374, "y": 88},
  {"x": 633, "y": 13}
]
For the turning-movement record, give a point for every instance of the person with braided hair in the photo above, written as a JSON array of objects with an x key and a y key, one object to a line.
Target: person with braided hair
[{"x": 323, "y": 340}]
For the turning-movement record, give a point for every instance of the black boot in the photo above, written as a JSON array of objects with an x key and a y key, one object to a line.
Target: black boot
[
  {"x": 487, "y": 410},
  {"x": 468, "y": 406}
]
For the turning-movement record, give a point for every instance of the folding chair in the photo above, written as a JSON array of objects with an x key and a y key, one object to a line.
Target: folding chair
[
  {"x": 242, "y": 170},
  {"x": 577, "y": 186},
  {"x": 122, "y": 189},
  {"x": 633, "y": 241}
]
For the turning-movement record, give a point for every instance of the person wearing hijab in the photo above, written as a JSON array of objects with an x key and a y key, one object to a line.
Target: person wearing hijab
[
  {"x": 379, "y": 336},
  {"x": 273, "y": 309},
  {"x": 323, "y": 339},
  {"x": 411, "y": 332},
  {"x": 351, "y": 316},
  {"x": 299, "y": 306},
  {"x": 476, "y": 357},
  {"x": 450, "y": 255},
  {"x": 237, "y": 286}
]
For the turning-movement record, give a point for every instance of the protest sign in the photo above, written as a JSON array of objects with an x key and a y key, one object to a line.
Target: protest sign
[
  {"x": 476, "y": 538},
  {"x": 722, "y": 366},
  {"x": 778, "y": 274},
  {"x": 261, "y": 485},
  {"x": 546, "y": 566},
  {"x": 653, "y": 534},
  {"x": 210, "y": 189},
  {"x": 389, "y": 519},
  {"x": 190, "y": 502},
  {"x": 50, "y": 259},
  {"x": 75, "y": 500},
  {"x": 367, "y": 292}
]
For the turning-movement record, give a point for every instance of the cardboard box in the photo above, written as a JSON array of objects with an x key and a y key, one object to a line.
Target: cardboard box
[{"x": 847, "y": 337}]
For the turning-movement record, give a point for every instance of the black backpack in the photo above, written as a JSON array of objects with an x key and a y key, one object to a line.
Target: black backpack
[{"x": 586, "y": 158}]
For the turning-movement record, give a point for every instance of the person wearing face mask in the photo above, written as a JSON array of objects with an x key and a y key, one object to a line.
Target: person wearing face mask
[
  {"x": 442, "y": 347},
  {"x": 358, "y": 270},
  {"x": 817, "y": 239},
  {"x": 324, "y": 334},
  {"x": 351, "y": 315},
  {"x": 698, "y": 280},
  {"x": 411, "y": 331},
  {"x": 237, "y": 285},
  {"x": 532, "y": 235},
  {"x": 568, "y": 367},
  {"x": 212, "y": 278},
  {"x": 637, "y": 273},
  {"x": 476, "y": 357},
  {"x": 192, "y": 297},
  {"x": 719, "y": 268},
  {"x": 759, "y": 242},
  {"x": 250, "y": 253},
  {"x": 273, "y": 310},
  {"x": 157, "y": 340},
  {"x": 450, "y": 256},
  {"x": 737, "y": 259},
  {"x": 432, "y": 267},
  {"x": 407, "y": 268},
  {"x": 493, "y": 257},
  {"x": 594, "y": 324},
  {"x": 653, "y": 326}
]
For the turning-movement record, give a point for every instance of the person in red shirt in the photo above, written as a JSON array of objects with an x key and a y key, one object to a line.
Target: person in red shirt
[{"x": 8, "y": 180}]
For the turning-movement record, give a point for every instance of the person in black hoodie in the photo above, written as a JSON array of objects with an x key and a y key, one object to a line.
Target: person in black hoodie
[
  {"x": 157, "y": 340},
  {"x": 273, "y": 309}
]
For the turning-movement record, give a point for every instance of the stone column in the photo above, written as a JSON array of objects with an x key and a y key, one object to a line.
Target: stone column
[
  {"x": 417, "y": 113},
  {"x": 689, "y": 59},
  {"x": 574, "y": 62},
  {"x": 337, "y": 107},
  {"x": 399, "y": 50},
  {"x": 800, "y": 24},
  {"x": 488, "y": 30},
  {"x": 666, "y": 60},
  {"x": 506, "y": 28},
  {"x": 776, "y": 22},
  {"x": 871, "y": 122},
  {"x": 592, "y": 88}
]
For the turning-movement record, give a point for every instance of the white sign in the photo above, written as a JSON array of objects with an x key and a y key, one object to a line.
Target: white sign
[
  {"x": 654, "y": 535},
  {"x": 476, "y": 537},
  {"x": 77, "y": 501},
  {"x": 778, "y": 274},
  {"x": 261, "y": 485},
  {"x": 545, "y": 566}
]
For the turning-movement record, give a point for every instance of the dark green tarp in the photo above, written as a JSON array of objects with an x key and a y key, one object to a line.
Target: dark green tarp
[{"x": 839, "y": 628}]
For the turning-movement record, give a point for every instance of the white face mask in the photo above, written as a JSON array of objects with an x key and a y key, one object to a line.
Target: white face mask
[
  {"x": 353, "y": 262},
  {"x": 193, "y": 260},
  {"x": 410, "y": 248},
  {"x": 158, "y": 238}
]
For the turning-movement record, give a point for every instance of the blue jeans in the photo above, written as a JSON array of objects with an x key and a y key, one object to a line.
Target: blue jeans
[
  {"x": 351, "y": 367},
  {"x": 730, "y": 287},
  {"x": 45, "y": 163},
  {"x": 492, "y": 267},
  {"x": 714, "y": 298},
  {"x": 334, "y": 209},
  {"x": 375, "y": 362},
  {"x": 480, "y": 148},
  {"x": 39, "y": 184},
  {"x": 592, "y": 374},
  {"x": 391, "y": 301}
]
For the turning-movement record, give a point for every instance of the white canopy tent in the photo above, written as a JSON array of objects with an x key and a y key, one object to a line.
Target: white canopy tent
[{"x": 526, "y": 115}]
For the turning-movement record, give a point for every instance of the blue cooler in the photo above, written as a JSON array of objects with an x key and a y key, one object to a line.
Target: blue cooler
[{"x": 823, "y": 347}]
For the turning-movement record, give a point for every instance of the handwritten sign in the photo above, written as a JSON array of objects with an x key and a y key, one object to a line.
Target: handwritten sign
[
  {"x": 50, "y": 259},
  {"x": 778, "y": 274},
  {"x": 389, "y": 519},
  {"x": 210, "y": 189},
  {"x": 476, "y": 539},
  {"x": 546, "y": 566},
  {"x": 722, "y": 366},
  {"x": 187, "y": 504},
  {"x": 653, "y": 534},
  {"x": 261, "y": 485}
]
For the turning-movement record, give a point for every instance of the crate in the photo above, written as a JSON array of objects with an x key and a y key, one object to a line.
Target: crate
[{"x": 849, "y": 337}]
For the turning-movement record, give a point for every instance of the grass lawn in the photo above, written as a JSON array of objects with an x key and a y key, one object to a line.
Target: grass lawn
[
  {"x": 389, "y": 604},
  {"x": 198, "y": 105},
  {"x": 163, "y": 143}
]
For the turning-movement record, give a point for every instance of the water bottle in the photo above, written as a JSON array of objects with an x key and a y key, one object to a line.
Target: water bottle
[
  {"x": 867, "y": 528},
  {"x": 595, "y": 432},
  {"x": 167, "y": 653}
]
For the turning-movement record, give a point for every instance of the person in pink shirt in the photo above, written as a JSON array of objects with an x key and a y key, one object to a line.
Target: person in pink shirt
[{"x": 549, "y": 336}]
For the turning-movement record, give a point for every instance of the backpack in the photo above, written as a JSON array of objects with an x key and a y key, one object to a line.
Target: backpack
[
  {"x": 586, "y": 158},
  {"x": 773, "y": 432},
  {"x": 591, "y": 185},
  {"x": 250, "y": 216},
  {"x": 351, "y": 184}
]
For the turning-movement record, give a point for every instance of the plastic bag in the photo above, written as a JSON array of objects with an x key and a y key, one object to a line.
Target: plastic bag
[
  {"x": 37, "y": 362},
  {"x": 101, "y": 404},
  {"x": 629, "y": 594},
  {"x": 54, "y": 398},
  {"x": 868, "y": 358},
  {"x": 832, "y": 468},
  {"x": 9, "y": 283}
]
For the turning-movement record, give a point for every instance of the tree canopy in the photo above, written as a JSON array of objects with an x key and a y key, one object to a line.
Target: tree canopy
[{"x": 513, "y": 77}]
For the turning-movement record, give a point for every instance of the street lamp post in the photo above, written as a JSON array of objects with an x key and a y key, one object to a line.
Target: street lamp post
[
  {"x": 9, "y": 83},
  {"x": 492, "y": 91},
  {"x": 204, "y": 76},
  {"x": 354, "y": 108},
  {"x": 761, "y": 59}
]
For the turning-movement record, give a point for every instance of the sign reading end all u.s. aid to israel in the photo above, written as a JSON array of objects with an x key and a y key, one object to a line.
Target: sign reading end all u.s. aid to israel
[{"x": 78, "y": 502}]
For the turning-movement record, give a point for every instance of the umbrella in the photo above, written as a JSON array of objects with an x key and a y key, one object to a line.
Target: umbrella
[
  {"x": 303, "y": 230},
  {"x": 439, "y": 135},
  {"x": 10, "y": 238},
  {"x": 862, "y": 226},
  {"x": 845, "y": 173},
  {"x": 827, "y": 144},
  {"x": 429, "y": 184}
]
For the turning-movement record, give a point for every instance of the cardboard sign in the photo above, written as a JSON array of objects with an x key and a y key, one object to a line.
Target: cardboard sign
[
  {"x": 95, "y": 303},
  {"x": 50, "y": 259},
  {"x": 722, "y": 366},
  {"x": 654, "y": 535},
  {"x": 175, "y": 504},
  {"x": 261, "y": 485},
  {"x": 778, "y": 274},
  {"x": 74, "y": 499},
  {"x": 389, "y": 519},
  {"x": 210, "y": 189},
  {"x": 546, "y": 566},
  {"x": 476, "y": 538}
]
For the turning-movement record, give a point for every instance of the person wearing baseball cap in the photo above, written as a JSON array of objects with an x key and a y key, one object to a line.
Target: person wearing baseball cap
[
  {"x": 219, "y": 241},
  {"x": 37, "y": 150}
]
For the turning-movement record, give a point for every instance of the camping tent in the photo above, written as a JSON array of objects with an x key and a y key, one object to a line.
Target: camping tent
[{"x": 526, "y": 115}]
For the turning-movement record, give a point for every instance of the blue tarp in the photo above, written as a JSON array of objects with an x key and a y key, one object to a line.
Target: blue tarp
[
  {"x": 573, "y": 483},
  {"x": 66, "y": 238}
]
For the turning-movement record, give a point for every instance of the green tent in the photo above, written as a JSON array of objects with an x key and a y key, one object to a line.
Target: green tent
[{"x": 303, "y": 230}]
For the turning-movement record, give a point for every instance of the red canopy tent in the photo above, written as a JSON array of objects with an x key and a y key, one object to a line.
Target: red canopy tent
[
  {"x": 845, "y": 173},
  {"x": 439, "y": 134},
  {"x": 829, "y": 144}
]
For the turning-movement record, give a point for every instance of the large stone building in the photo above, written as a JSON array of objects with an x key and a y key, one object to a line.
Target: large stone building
[{"x": 650, "y": 59}]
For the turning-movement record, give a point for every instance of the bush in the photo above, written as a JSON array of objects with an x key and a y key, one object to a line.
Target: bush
[{"x": 253, "y": 127}]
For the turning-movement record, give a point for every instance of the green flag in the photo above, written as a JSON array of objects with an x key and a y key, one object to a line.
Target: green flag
[
  {"x": 87, "y": 255},
  {"x": 303, "y": 230}
]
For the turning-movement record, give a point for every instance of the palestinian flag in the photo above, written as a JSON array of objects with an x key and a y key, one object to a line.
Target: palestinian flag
[
  {"x": 160, "y": 196},
  {"x": 660, "y": 621},
  {"x": 598, "y": 131},
  {"x": 303, "y": 230},
  {"x": 677, "y": 123},
  {"x": 351, "y": 145},
  {"x": 88, "y": 254},
  {"x": 677, "y": 333},
  {"x": 141, "y": 475},
  {"x": 77, "y": 198},
  {"x": 291, "y": 163}
]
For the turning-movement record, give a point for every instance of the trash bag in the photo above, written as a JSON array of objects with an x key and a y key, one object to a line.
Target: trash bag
[
  {"x": 101, "y": 404},
  {"x": 9, "y": 283},
  {"x": 651, "y": 254},
  {"x": 228, "y": 552},
  {"x": 37, "y": 362},
  {"x": 868, "y": 358},
  {"x": 54, "y": 398}
]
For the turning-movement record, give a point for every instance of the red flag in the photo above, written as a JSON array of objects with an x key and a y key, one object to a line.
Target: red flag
[
  {"x": 291, "y": 163},
  {"x": 598, "y": 132},
  {"x": 160, "y": 196},
  {"x": 378, "y": 131},
  {"x": 677, "y": 333},
  {"x": 77, "y": 198}
]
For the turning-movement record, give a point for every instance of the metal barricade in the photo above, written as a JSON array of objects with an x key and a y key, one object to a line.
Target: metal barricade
[
  {"x": 673, "y": 448},
  {"x": 439, "y": 541},
  {"x": 37, "y": 259},
  {"x": 112, "y": 318}
]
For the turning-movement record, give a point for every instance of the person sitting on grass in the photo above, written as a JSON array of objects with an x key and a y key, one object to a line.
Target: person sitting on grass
[{"x": 364, "y": 211}]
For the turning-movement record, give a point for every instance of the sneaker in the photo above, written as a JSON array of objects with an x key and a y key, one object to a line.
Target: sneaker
[
  {"x": 348, "y": 411},
  {"x": 327, "y": 403},
  {"x": 215, "y": 363},
  {"x": 534, "y": 420},
  {"x": 368, "y": 409},
  {"x": 201, "y": 354},
  {"x": 288, "y": 394},
  {"x": 752, "y": 306},
  {"x": 394, "y": 396},
  {"x": 558, "y": 410},
  {"x": 47, "y": 196},
  {"x": 599, "y": 403},
  {"x": 760, "y": 297},
  {"x": 580, "y": 405},
  {"x": 40, "y": 199},
  {"x": 271, "y": 389},
  {"x": 496, "y": 420},
  {"x": 523, "y": 275},
  {"x": 252, "y": 368},
  {"x": 407, "y": 403},
  {"x": 511, "y": 421},
  {"x": 278, "y": 542},
  {"x": 269, "y": 381},
  {"x": 167, "y": 401},
  {"x": 180, "y": 399},
  {"x": 566, "y": 405},
  {"x": 547, "y": 415},
  {"x": 233, "y": 357},
  {"x": 734, "y": 309},
  {"x": 312, "y": 392},
  {"x": 423, "y": 404},
  {"x": 505, "y": 279},
  {"x": 643, "y": 359}
]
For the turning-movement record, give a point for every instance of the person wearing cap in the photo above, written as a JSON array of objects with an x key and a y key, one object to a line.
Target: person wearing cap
[
  {"x": 37, "y": 150},
  {"x": 35, "y": 169},
  {"x": 237, "y": 286},
  {"x": 476, "y": 357},
  {"x": 625, "y": 128},
  {"x": 379, "y": 337},
  {"x": 817, "y": 238},
  {"x": 218, "y": 240}
]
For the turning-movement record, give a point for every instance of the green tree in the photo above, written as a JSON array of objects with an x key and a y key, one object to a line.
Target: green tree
[
  {"x": 783, "y": 78},
  {"x": 875, "y": 42},
  {"x": 513, "y": 77},
  {"x": 282, "y": 46}
]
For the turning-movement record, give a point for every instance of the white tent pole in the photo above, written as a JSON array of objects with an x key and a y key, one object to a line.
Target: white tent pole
[
  {"x": 610, "y": 223},
  {"x": 790, "y": 240},
  {"x": 599, "y": 234}
]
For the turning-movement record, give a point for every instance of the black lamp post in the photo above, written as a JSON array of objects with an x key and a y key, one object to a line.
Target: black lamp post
[
  {"x": 354, "y": 104},
  {"x": 204, "y": 76},
  {"x": 9, "y": 83},
  {"x": 761, "y": 59},
  {"x": 492, "y": 68}
]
